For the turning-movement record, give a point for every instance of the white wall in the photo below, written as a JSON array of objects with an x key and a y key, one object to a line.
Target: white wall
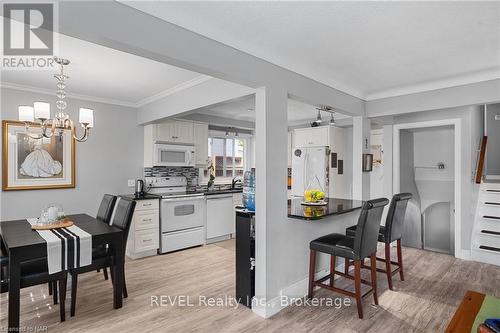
[
  {"x": 112, "y": 154},
  {"x": 493, "y": 145},
  {"x": 377, "y": 175}
]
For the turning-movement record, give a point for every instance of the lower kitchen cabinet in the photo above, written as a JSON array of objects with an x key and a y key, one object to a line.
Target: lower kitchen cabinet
[
  {"x": 144, "y": 235},
  {"x": 220, "y": 217}
]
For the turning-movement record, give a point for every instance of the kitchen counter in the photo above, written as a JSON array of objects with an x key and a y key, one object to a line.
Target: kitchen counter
[
  {"x": 335, "y": 206},
  {"x": 146, "y": 196}
]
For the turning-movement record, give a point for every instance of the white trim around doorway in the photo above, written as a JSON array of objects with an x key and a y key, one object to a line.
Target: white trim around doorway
[{"x": 457, "y": 124}]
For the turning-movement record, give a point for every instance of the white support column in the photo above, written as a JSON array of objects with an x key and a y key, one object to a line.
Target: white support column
[
  {"x": 361, "y": 145},
  {"x": 271, "y": 184},
  {"x": 387, "y": 160}
]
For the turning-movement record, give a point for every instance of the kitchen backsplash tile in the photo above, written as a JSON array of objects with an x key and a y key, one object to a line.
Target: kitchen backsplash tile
[{"x": 190, "y": 173}]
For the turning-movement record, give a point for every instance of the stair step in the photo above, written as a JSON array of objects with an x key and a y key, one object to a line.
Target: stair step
[
  {"x": 490, "y": 232},
  {"x": 489, "y": 248}
]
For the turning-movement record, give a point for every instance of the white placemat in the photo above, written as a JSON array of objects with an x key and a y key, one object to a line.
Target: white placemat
[{"x": 67, "y": 248}]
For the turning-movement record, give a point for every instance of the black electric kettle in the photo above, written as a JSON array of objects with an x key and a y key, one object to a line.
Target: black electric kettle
[{"x": 139, "y": 188}]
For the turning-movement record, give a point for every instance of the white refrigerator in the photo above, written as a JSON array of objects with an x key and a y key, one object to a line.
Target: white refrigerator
[{"x": 309, "y": 165}]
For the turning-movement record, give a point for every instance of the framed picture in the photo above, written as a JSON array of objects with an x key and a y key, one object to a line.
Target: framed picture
[{"x": 31, "y": 164}]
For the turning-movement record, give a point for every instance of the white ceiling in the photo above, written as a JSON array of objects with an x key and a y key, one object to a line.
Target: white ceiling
[
  {"x": 102, "y": 73},
  {"x": 368, "y": 49},
  {"x": 244, "y": 109}
]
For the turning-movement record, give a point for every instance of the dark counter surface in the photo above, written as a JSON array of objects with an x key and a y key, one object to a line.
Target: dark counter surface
[
  {"x": 334, "y": 207},
  {"x": 146, "y": 196},
  {"x": 215, "y": 191}
]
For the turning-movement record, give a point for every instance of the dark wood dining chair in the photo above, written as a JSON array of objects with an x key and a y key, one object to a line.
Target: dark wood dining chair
[
  {"x": 35, "y": 272},
  {"x": 106, "y": 208},
  {"x": 357, "y": 248},
  {"x": 103, "y": 257},
  {"x": 104, "y": 214},
  {"x": 392, "y": 231}
]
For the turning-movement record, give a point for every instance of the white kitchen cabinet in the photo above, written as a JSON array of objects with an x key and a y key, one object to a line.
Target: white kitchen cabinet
[
  {"x": 201, "y": 144},
  {"x": 220, "y": 217},
  {"x": 174, "y": 132},
  {"x": 184, "y": 132},
  {"x": 144, "y": 234},
  {"x": 164, "y": 131},
  {"x": 312, "y": 137}
]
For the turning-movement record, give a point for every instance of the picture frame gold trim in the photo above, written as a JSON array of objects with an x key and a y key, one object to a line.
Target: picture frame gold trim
[{"x": 5, "y": 154}]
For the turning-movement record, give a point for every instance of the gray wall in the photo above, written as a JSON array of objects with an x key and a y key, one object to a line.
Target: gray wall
[
  {"x": 493, "y": 147},
  {"x": 412, "y": 227},
  {"x": 112, "y": 154},
  {"x": 471, "y": 135}
]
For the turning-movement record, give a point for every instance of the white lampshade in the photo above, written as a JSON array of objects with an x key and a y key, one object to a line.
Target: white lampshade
[
  {"x": 25, "y": 113},
  {"x": 42, "y": 110},
  {"x": 86, "y": 117}
]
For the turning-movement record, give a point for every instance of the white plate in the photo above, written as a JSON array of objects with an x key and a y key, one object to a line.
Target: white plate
[{"x": 319, "y": 203}]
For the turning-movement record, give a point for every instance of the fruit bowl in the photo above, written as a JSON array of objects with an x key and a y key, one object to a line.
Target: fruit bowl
[{"x": 314, "y": 196}]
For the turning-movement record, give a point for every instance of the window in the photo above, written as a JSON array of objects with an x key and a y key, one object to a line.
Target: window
[{"x": 227, "y": 156}]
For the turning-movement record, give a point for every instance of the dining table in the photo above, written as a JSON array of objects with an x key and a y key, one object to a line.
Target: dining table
[{"x": 22, "y": 244}]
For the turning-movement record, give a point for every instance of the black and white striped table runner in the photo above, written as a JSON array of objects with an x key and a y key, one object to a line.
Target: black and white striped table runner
[{"x": 67, "y": 248}]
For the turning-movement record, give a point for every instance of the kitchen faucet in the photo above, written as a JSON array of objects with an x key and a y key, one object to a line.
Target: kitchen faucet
[{"x": 235, "y": 180}]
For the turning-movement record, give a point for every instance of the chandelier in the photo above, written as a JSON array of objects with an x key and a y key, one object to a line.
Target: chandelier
[{"x": 39, "y": 113}]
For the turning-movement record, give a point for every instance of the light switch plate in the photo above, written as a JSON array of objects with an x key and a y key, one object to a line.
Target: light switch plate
[
  {"x": 131, "y": 182},
  {"x": 497, "y": 117}
]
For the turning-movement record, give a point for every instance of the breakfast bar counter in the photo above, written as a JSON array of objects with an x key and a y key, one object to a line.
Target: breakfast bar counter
[{"x": 333, "y": 206}]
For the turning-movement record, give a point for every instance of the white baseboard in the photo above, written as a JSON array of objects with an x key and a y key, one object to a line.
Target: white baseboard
[
  {"x": 295, "y": 290},
  {"x": 463, "y": 254}
]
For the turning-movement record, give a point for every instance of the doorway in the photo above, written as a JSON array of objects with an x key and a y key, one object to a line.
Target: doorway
[{"x": 427, "y": 157}]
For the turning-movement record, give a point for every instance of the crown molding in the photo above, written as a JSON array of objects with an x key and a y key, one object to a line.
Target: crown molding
[
  {"x": 38, "y": 90},
  {"x": 184, "y": 85},
  {"x": 476, "y": 77}
]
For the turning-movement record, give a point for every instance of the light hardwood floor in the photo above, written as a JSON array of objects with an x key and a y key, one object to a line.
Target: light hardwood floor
[{"x": 434, "y": 286}]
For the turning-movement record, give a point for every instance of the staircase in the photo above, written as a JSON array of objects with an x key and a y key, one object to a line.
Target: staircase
[{"x": 486, "y": 233}]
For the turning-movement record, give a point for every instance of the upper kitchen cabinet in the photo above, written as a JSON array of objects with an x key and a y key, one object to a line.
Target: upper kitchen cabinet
[
  {"x": 201, "y": 143},
  {"x": 184, "y": 132},
  {"x": 174, "y": 132},
  {"x": 177, "y": 132},
  {"x": 312, "y": 137}
]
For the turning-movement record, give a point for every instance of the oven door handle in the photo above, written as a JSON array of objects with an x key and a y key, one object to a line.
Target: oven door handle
[{"x": 190, "y": 198}]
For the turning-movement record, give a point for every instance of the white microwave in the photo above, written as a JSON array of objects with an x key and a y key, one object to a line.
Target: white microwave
[{"x": 173, "y": 155}]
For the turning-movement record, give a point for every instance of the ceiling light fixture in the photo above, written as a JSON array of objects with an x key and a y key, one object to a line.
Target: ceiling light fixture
[
  {"x": 332, "y": 119},
  {"x": 55, "y": 126},
  {"x": 319, "y": 120}
]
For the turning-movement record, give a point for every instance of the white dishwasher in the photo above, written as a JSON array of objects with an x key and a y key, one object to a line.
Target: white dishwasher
[{"x": 220, "y": 216}]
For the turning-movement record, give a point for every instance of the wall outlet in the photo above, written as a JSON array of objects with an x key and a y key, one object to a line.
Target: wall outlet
[{"x": 131, "y": 182}]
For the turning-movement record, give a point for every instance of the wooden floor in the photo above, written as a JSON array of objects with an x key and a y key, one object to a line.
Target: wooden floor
[{"x": 425, "y": 302}]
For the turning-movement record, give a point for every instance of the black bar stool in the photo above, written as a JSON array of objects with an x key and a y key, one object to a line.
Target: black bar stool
[
  {"x": 392, "y": 231},
  {"x": 357, "y": 248}
]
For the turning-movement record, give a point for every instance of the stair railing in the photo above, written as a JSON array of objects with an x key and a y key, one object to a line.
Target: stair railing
[{"x": 480, "y": 160}]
